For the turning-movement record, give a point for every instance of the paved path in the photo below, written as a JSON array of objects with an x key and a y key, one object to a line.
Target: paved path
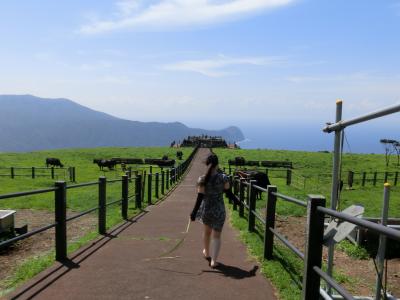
[{"x": 126, "y": 264}]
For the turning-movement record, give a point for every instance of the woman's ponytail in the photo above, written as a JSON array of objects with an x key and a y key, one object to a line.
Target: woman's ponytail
[{"x": 212, "y": 162}]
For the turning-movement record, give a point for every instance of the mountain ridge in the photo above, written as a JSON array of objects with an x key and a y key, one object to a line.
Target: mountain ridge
[{"x": 29, "y": 123}]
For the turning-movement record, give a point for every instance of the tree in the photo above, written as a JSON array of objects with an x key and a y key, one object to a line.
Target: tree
[{"x": 388, "y": 145}]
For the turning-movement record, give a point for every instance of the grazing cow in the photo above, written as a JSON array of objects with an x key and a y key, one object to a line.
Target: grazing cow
[
  {"x": 54, "y": 162},
  {"x": 261, "y": 178},
  {"x": 165, "y": 163},
  {"x": 240, "y": 161},
  {"x": 165, "y": 157},
  {"x": 110, "y": 164},
  {"x": 179, "y": 155},
  {"x": 253, "y": 163}
]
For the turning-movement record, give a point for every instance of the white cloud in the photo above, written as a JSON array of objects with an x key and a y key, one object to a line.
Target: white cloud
[
  {"x": 215, "y": 67},
  {"x": 168, "y": 14}
]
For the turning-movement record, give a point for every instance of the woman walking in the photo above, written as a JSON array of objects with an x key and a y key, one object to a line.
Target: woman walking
[{"x": 210, "y": 208}]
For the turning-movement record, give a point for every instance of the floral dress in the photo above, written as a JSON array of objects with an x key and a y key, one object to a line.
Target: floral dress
[{"x": 212, "y": 208}]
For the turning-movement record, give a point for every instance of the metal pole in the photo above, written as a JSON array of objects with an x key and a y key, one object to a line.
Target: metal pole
[
  {"x": 380, "y": 257},
  {"x": 335, "y": 181},
  {"x": 338, "y": 126}
]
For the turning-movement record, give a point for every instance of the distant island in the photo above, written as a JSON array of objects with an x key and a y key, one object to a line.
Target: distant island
[{"x": 29, "y": 123}]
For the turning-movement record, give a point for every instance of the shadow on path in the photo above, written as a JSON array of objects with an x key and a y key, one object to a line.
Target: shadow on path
[
  {"x": 67, "y": 265},
  {"x": 233, "y": 272}
]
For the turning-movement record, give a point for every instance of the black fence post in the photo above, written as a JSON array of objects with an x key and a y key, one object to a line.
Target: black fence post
[
  {"x": 241, "y": 197},
  {"x": 235, "y": 190},
  {"x": 162, "y": 182},
  {"x": 314, "y": 240},
  {"x": 33, "y": 172},
  {"x": 102, "y": 204},
  {"x": 73, "y": 174},
  {"x": 350, "y": 179},
  {"x": 149, "y": 189},
  {"x": 52, "y": 172},
  {"x": 125, "y": 191},
  {"x": 157, "y": 185},
  {"x": 386, "y": 177},
  {"x": 288, "y": 177},
  {"x": 252, "y": 207},
  {"x": 167, "y": 180},
  {"x": 138, "y": 191},
  {"x": 60, "y": 218},
  {"x": 144, "y": 185},
  {"x": 396, "y": 176},
  {"x": 375, "y": 177},
  {"x": 269, "y": 222},
  {"x": 12, "y": 173},
  {"x": 364, "y": 177}
]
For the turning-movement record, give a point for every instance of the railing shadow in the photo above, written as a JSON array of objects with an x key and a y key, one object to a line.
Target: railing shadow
[{"x": 51, "y": 276}]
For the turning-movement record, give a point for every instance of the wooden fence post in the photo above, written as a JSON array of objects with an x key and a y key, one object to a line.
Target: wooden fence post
[
  {"x": 386, "y": 177},
  {"x": 252, "y": 207},
  {"x": 52, "y": 172},
  {"x": 288, "y": 177},
  {"x": 350, "y": 179},
  {"x": 235, "y": 190},
  {"x": 167, "y": 180},
  {"x": 125, "y": 192},
  {"x": 162, "y": 182},
  {"x": 375, "y": 177},
  {"x": 149, "y": 189},
  {"x": 12, "y": 173},
  {"x": 157, "y": 185},
  {"x": 241, "y": 197},
  {"x": 60, "y": 218},
  {"x": 314, "y": 243},
  {"x": 102, "y": 204},
  {"x": 364, "y": 177},
  {"x": 269, "y": 222},
  {"x": 138, "y": 191},
  {"x": 396, "y": 176},
  {"x": 144, "y": 185},
  {"x": 33, "y": 172}
]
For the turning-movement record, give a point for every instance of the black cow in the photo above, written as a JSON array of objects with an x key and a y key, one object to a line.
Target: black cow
[
  {"x": 54, "y": 162},
  {"x": 165, "y": 163},
  {"x": 165, "y": 157},
  {"x": 110, "y": 164},
  {"x": 240, "y": 161},
  {"x": 261, "y": 178},
  {"x": 179, "y": 154}
]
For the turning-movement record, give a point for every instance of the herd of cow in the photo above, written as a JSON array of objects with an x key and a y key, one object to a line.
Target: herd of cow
[{"x": 112, "y": 162}]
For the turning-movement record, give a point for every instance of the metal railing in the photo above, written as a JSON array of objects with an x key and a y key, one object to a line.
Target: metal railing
[
  {"x": 168, "y": 179},
  {"x": 316, "y": 213}
]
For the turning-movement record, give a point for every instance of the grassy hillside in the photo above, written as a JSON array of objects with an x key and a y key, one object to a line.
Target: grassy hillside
[
  {"x": 311, "y": 175},
  {"x": 86, "y": 171}
]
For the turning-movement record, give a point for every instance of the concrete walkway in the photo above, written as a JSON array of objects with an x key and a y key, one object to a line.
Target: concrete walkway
[{"x": 152, "y": 257}]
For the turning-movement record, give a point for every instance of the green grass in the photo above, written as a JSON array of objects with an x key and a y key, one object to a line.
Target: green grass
[
  {"x": 310, "y": 166},
  {"x": 285, "y": 270},
  {"x": 79, "y": 199}
]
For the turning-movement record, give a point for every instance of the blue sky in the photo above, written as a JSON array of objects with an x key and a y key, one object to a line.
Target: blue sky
[{"x": 207, "y": 63}]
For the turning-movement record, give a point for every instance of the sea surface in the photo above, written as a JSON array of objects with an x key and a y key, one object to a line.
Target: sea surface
[{"x": 364, "y": 138}]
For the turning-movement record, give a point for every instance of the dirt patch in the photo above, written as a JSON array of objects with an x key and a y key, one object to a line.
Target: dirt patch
[
  {"x": 40, "y": 243},
  {"x": 361, "y": 272}
]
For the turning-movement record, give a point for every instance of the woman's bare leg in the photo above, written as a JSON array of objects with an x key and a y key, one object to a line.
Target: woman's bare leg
[
  {"x": 206, "y": 240},
  {"x": 215, "y": 247}
]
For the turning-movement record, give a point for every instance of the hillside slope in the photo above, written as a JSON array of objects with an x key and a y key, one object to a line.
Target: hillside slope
[{"x": 30, "y": 123}]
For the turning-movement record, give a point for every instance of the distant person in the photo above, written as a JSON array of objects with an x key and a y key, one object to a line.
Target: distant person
[{"x": 210, "y": 208}]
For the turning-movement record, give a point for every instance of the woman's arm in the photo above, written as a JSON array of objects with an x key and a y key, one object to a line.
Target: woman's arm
[
  {"x": 200, "y": 197},
  {"x": 229, "y": 194}
]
